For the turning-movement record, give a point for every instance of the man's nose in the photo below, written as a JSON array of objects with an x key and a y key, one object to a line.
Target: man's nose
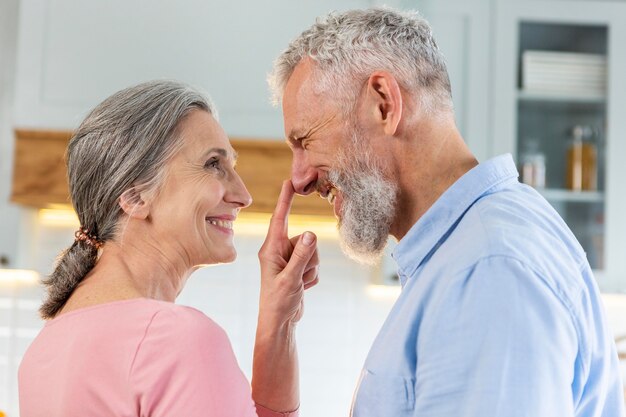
[{"x": 303, "y": 175}]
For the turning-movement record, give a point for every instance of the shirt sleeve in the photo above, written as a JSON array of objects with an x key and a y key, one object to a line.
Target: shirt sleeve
[
  {"x": 502, "y": 343},
  {"x": 185, "y": 366}
]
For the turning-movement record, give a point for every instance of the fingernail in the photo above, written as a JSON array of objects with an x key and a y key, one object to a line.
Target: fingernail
[{"x": 307, "y": 238}]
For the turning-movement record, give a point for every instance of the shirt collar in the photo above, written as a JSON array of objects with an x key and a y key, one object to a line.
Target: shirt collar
[{"x": 427, "y": 233}]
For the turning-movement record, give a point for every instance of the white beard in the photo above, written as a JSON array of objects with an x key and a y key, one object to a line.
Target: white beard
[{"x": 368, "y": 206}]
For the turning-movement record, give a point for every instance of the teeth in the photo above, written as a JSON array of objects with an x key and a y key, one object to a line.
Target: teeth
[
  {"x": 227, "y": 224},
  {"x": 332, "y": 193}
]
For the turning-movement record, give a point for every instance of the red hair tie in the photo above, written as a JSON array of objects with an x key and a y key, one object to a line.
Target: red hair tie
[{"x": 84, "y": 235}]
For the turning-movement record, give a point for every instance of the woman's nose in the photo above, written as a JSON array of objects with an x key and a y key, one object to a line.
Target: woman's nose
[{"x": 239, "y": 193}]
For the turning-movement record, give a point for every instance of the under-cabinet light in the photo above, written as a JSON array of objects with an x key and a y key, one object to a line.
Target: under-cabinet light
[
  {"x": 247, "y": 224},
  {"x": 382, "y": 291},
  {"x": 18, "y": 277}
]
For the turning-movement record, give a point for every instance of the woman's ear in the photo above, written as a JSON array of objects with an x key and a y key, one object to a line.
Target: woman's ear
[{"x": 133, "y": 204}]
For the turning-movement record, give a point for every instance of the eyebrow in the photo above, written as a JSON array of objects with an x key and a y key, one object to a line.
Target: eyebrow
[
  {"x": 223, "y": 152},
  {"x": 297, "y": 134}
]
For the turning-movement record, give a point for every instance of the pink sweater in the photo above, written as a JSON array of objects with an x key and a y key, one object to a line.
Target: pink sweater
[{"x": 134, "y": 358}]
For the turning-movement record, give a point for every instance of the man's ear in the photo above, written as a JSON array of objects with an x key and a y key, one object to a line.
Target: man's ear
[
  {"x": 384, "y": 98},
  {"x": 133, "y": 204}
]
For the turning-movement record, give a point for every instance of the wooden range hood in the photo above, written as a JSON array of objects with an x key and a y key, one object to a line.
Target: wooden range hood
[{"x": 39, "y": 175}]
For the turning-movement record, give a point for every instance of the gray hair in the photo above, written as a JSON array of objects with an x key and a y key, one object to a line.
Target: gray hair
[
  {"x": 122, "y": 146},
  {"x": 347, "y": 47}
]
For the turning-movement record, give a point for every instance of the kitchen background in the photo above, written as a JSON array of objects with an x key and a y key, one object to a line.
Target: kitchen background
[{"x": 541, "y": 79}]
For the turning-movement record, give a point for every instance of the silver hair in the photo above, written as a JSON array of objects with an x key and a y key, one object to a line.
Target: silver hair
[
  {"x": 122, "y": 146},
  {"x": 347, "y": 47}
]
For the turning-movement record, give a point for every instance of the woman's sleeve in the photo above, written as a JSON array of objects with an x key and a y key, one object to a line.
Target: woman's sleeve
[{"x": 185, "y": 366}]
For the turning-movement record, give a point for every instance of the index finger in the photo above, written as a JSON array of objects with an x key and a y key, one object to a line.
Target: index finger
[{"x": 280, "y": 218}]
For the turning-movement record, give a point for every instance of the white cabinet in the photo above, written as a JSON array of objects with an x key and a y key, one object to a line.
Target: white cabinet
[
  {"x": 462, "y": 31},
  {"x": 484, "y": 43},
  {"x": 74, "y": 53},
  {"x": 533, "y": 108}
]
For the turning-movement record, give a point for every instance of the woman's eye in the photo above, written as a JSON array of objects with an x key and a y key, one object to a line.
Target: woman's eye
[{"x": 213, "y": 163}]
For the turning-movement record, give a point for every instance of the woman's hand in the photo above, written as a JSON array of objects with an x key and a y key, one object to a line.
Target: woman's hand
[{"x": 288, "y": 265}]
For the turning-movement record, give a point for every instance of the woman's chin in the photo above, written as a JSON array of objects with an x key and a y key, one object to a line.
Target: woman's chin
[
  {"x": 224, "y": 257},
  {"x": 230, "y": 258}
]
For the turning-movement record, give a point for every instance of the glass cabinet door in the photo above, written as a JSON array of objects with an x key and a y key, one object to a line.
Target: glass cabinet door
[
  {"x": 559, "y": 107},
  {"x": 561, "y": 123}
]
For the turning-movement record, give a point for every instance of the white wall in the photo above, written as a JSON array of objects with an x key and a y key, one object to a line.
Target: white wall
[{"x": 9, "y": 215}]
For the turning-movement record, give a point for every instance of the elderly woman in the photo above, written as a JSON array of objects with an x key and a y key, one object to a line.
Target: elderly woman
[{"x": 152, "y": 180}]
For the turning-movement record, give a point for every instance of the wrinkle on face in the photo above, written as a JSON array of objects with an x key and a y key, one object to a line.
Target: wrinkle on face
[
  {"x": 320, "y": 142},
  {"x": 298, "y": 134},
  {"x": 191, "y": 170}
]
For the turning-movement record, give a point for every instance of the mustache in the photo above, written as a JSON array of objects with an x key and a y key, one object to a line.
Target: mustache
[{"x": 324, "y": 185}]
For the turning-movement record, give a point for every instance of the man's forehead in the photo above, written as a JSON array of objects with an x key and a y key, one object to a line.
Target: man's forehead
[
  {"x": 299, "y": 86},
  {"x": 304, "y": 108},
  {"x": 301, "y": 115}
]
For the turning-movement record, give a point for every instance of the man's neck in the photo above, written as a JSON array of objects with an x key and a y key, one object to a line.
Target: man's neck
[{"x": 427, "y": 164}]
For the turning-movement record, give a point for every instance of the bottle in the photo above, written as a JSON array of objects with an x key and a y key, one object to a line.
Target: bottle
[
  {"x": 533, "y": 164},
  {"x": 582, "y": 161},
  {"x": 596, "y": 237}
]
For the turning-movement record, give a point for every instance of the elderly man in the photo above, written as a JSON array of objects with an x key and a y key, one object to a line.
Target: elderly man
[{"x": 499, "y": 313}]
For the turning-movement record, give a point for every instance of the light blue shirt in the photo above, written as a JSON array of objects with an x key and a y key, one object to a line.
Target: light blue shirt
[{"x": 499, "y": 314}]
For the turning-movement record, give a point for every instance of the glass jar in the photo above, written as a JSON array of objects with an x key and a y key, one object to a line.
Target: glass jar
[
  {"x": 533, "y": 164},
  {"x": 582, "y": 161}
]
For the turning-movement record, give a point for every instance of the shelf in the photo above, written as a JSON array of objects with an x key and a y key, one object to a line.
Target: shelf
[
  {"x": 40, "y": 179},
  {"x": 589, "y": 98},
  {"x": 553, "y": 194}
]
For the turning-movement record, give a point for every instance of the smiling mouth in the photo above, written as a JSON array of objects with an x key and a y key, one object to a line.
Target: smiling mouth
[
  {"x": 225, "y": 224},
  {"x": 328, "y": 192}
]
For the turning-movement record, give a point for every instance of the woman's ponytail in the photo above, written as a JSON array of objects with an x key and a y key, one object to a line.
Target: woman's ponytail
[{"x": 72, "y": 267}]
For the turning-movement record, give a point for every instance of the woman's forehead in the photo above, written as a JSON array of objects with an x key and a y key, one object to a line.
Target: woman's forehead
[{"x": 201, "y": 133}]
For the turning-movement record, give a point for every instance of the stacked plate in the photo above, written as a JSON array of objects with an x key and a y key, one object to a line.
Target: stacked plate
[{"x": 563, "y": 72}]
